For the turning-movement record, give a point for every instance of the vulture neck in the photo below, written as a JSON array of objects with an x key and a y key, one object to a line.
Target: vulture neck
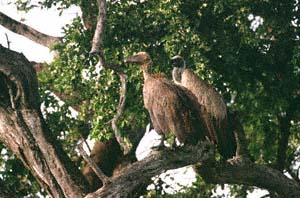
[{"x": 146, "y": 67}]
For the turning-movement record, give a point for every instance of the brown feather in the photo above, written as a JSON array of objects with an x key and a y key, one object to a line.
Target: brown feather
[
  {"x": 210, "y": 100},
  {"x": 205, "y": 93},
  {"x": 172, "y": 108},
  {"x": 175, "y": 109}
]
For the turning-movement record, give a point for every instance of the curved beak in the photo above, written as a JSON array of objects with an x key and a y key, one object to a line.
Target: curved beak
[{"x": 132, "y": 59}]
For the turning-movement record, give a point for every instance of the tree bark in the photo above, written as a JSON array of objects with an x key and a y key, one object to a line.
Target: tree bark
[
  {"x": 23, "y": 130},
  {"x": 28, "y": 31},
  {"x": 241, "y": 171},
  {"x": 139, "y": 174}
]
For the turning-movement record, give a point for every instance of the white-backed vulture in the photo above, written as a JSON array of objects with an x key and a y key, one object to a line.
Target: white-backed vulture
[
  {"x": 210, "y": 99},
  {"x": 172, "y": 108}
]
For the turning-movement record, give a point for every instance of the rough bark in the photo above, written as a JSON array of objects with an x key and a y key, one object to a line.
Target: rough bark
[
  {"x": 139, "y": 174},
  {"x": 241, "y": 171},
  {"x": 100, "y": 27},
  {"x": 23, "y": 130},
  {"x": 28, "y": 31}
]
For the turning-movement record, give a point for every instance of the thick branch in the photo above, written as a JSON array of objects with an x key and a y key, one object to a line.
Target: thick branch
[
  {"x": 28, "y": 31},
  {"x": 140, "y": 173},
  {"x": 241, "y": 170},
  {"x": 101, "y": 23},
  {"x": 248, "y": 173},
  {"x": 24, "y": 131}
]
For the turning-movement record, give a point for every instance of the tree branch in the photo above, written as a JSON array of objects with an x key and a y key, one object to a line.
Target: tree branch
[
  {"x": 97, "y": 49},
  {"x": 24, "y": 131},
  {"x": 241, "y": 170},
  {"x": 239, "y": 134},
  {"x": 28, "y": 31},
  {"x": 93, "y": 165},
  {"x": 140, "y": 173},
  {"x": 99, "y": 32},
  {"x": 245, "y": 172}
]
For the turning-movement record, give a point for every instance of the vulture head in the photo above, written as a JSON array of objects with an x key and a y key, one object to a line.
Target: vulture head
[
  {"x": 140, "y": 58},
  {"x": 178, "y": 64}
]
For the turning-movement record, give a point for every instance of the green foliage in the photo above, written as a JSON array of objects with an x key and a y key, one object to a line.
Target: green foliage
[
  {"x": 249, "y": 50},
  {"x": 15, "y": 176}
]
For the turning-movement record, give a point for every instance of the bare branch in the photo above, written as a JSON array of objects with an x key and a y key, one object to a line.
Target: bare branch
[
  {"x": 28, "y": 31},
  {"x": 93, "y": 165},
  {"x": 97, "y": 49},
  {"x": 8, "y": 41},
  {"x": 236, "y": 126},
  {"x": 126, "y": 147},
  {"x": 99, "y": 32}
]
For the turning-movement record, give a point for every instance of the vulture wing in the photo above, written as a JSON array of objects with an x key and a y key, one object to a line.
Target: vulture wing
[
  {"x": 205, "y": 93},
  {"x": 213, "y": 102},
  {"x": 174, "y": 109}
]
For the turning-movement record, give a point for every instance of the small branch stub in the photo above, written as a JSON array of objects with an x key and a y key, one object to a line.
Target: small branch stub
[{"x": 93, "y": 165}]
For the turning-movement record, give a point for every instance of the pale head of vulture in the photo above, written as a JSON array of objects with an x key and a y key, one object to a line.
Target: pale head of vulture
[{"x": 178, "y": 64}]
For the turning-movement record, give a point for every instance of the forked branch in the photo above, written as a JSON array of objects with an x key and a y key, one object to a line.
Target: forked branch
[{"x": 27, "y": 31}]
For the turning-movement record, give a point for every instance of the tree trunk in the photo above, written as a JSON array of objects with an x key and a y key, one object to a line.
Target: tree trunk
[{"x": 24, "y": 131}]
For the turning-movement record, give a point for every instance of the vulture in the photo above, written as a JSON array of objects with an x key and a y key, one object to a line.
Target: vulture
[
  {"x": 172, "y": 108},
  {"x": 213, "y": 102}
]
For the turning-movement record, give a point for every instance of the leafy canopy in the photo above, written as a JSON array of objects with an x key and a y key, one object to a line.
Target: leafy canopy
[{"x": 249, "y": 50}]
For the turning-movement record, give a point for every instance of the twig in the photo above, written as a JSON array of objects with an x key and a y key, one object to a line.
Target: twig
[
  {"x": 87, "y": 145},
  {"x": 123, "y": 90},
  {"x": 7, "y": 40},
  {"x": 93, "y": 165},
  {"x": 97, "y": 49},
  {"x": 241, "y": 142},
  {"x": 294, "y": 175}
]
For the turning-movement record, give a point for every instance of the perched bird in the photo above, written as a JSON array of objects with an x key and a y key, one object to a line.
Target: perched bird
[
  {"x": 172, "y": 108},
  {"x": 208, "y": 97}
]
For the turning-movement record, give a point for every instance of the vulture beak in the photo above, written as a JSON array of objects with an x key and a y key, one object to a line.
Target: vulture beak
[
  {"x": 133, "y": 59},
  {"x": 138, "y": 58}
]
